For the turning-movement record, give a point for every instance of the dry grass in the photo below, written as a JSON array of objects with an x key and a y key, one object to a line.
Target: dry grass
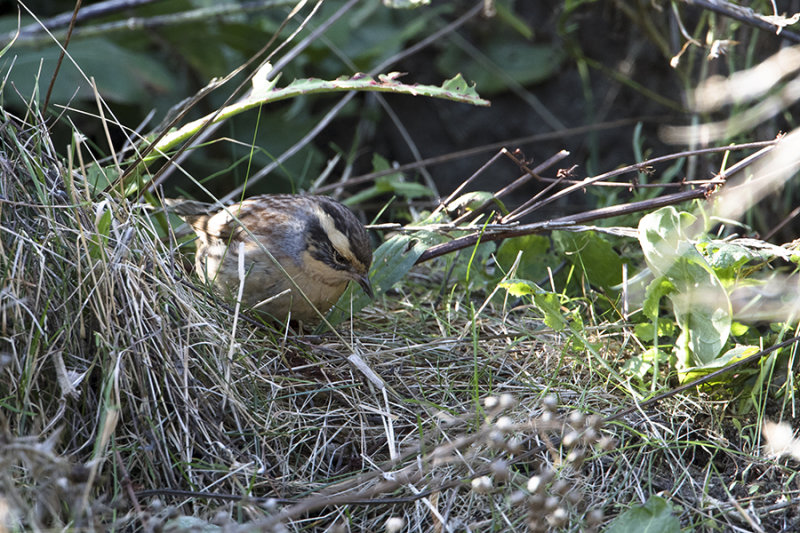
[
  {"x": 132, "y": 401},
  {"x": 123, "y": 385}
]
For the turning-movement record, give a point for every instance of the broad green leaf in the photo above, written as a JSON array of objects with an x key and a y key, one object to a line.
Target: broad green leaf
[
  {"x": 700, "y": 302},
  {"x": 547, "y": 302},
  {"x": 655, "y": 516},
  {"x": 644, "y": 330},
  {"x": 593, "y": 254},
  {"x": 663, "y": 238},
  {"x": 535, "y": 256},
  {"x": 121, "y": 75},
  {"x": 641, "y": 365},
  {"x": 727, "y": 259},
  {"x": 738, "y": 329},
  {"x": 505, "y": 59}
]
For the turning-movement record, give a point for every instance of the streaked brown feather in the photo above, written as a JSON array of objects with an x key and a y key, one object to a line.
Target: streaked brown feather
[{"x": 300, "y": 232}]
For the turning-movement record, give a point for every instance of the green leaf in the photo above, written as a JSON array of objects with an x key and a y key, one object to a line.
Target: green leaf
[
  {"x": 699, "y": 301},
  {"x": 471, "y": 201},
  {"x": 535, "y": 257},
  {"x": 455, "y": 89},
  {"x": 655, "y": 516},
  {"x": 593, "y": 254},
  {"x": 406, "y": 189},
  {"x": 727, "y": 259},
  {"x": 519, "y": 287},
  {"x": 728, "y": 358},
  {"x": 121, "y": 75},
  {"x": 550, "y": 304},
  {"x": 641, "y": 365},
  {"x": 98, "y": 242},
  {"x": 393, "y": 183},
  {"x": 458, "y": 86},
  {"x": 405, "y": 4},
  {"x": 504, "y": 60},
  {"x": 657, "y": 289},
  {"x": 644, "y": 330},
  {"x": 738, "y": 329}
]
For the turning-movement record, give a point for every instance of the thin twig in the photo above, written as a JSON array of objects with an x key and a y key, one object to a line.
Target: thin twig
[
  {"x": 746, "y": 15},
  {"x": 61, "y": 54}
]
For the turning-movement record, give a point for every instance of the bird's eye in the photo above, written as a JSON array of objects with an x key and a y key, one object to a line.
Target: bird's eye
[{"x": 339, "y": 258}]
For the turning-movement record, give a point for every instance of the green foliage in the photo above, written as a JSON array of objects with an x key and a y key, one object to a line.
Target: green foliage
[
  {"x": 522, "y": 62},
  {"x": 121, "y": 75},
  {"x": 535, "y": 260},
  {"x": 547, "y": 302},
  {"x": 699, "y": 300},
  {"x": 655, "y": 516},
  {"x": 644, "y": 363},
  {"x": 593, "y": 255},
  {"x": 696, "y": 274},
  {"x": 395, "y": 184}
]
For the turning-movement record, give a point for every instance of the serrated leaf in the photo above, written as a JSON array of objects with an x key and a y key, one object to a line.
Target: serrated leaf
[
  {"x": 550, "y": 304},
  {"x": 519, "y": 287},
  {"x": 455, "y": 89}
]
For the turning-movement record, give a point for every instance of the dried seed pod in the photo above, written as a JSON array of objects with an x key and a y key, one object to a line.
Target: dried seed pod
[
  {"x": 482, "y": 485},
  {"x": 500, "y": 470},
  {"x": 394, "y": 524},
  {"x": 571, "y": 439},
  {"x": 558, "y": 518},
  {"x": 576, "y": 418},
  {"x": 576, "y": 457},
  {"x": 550, "y": 403},
  {"x": 561, "y": 487}
]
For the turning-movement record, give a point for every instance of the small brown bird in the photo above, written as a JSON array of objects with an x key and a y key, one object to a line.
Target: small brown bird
[{"x": 319, "y": 243}]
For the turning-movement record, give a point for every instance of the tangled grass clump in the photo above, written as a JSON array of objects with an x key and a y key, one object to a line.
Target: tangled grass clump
[{"x": 104, "y": 349}]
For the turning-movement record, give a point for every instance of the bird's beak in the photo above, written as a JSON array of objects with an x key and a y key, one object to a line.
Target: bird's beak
[{"x": 365, "y": 284}]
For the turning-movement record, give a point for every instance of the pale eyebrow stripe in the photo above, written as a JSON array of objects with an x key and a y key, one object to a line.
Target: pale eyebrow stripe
[{"x": 338, "y": 239}]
